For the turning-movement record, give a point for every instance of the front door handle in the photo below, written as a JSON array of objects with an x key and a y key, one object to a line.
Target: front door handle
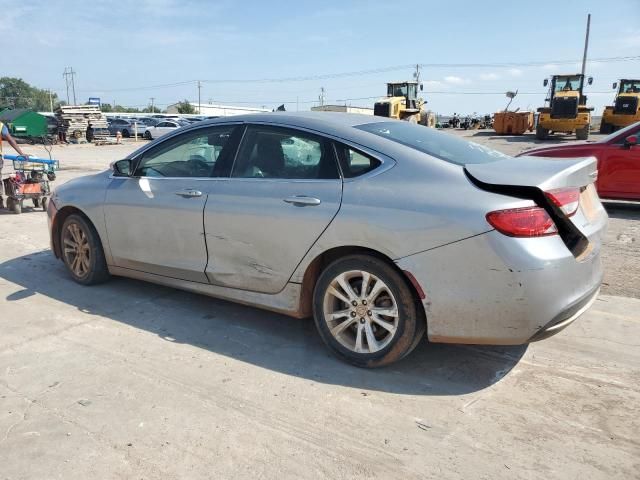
[
  {"x": 302, "y": 201},
  {"x": 189, "y": 192}
]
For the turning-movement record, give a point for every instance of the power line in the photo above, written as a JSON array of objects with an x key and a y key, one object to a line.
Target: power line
[{"x": 371, "y": 72}]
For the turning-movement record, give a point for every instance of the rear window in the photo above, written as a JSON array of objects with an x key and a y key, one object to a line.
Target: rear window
[{"x": 428, "y": 140}]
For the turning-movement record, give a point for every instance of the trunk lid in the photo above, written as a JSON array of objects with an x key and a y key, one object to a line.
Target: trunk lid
[
  {"x": 542, "y": 173},
  {"x": 539, "y": 179}
]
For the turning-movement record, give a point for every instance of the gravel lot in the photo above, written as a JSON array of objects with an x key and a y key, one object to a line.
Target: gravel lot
[{"x": 132, "y": 380}]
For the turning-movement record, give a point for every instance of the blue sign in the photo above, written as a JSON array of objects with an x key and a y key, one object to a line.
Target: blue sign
[{"x": 94, "y": 101}]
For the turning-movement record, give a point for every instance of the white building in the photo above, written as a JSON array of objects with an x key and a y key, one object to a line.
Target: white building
[
  {"x": 343, "y": 109},
  {"x": 211, "y": 110}
]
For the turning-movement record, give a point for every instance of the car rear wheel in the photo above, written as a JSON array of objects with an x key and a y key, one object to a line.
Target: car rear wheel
[
  {"x": 365, "y": 312},
  {"x": 82, "y": 251},
  {"x": 125, "y": 133},
  {"x": 147, "y": 135}
]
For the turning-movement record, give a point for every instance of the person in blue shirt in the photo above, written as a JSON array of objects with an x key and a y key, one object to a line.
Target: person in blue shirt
[{"x": 4, "y": 135}]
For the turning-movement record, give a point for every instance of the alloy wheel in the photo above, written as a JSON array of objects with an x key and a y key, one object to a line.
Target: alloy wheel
[
  {"x": 77, "y": 251},
  {"x": 361, "y": 311}
]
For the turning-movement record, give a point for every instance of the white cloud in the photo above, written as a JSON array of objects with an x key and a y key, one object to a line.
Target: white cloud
[
  {"x": 515, "y": 72},
  {"x": 453, "y": 80},
  {"x": 489, "y": 76}
]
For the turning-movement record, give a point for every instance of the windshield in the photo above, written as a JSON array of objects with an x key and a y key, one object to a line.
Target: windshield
[
  {"x": 567, "y": 83},
  {"x": 438, "y": 144},
  {"x": 630, "y": 86},
  {"x": 396, "y": 90},
  {"x": 630, "y": 130}
]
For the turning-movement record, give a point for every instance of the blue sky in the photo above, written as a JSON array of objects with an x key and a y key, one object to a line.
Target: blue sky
[{"x": 122, "y": 49}]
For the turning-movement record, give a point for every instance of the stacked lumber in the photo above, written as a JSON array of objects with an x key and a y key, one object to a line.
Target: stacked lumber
[{"x": 75, "y": 119}]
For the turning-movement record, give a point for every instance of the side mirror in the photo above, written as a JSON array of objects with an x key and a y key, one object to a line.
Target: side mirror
[
  {"x": 615, "y": 85},
  {"x": 546, "y": 82},
  {"x": 631, "y": 141},
  {"x": 421, "y": 87},
  {"x": 590, "y": 80},
  {"x": 122, "y": 168}
]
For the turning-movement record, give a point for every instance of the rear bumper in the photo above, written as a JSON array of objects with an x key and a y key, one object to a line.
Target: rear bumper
[{"x": 493, "y": 289}]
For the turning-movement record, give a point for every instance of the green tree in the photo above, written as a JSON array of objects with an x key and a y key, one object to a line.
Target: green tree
[
  {"x": 16, "y": 93},
  {"x": 150, "y": 110},
  {"x": 185, "y": 107}
]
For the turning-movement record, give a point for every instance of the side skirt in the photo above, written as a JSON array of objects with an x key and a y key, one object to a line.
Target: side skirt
[{"x": 286, "y": 302}]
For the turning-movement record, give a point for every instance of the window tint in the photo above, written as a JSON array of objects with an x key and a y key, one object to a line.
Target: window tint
[
  {"x": 438, "y": 144},
  {"x": 193, "y": 154},
  {"x": 274, "y": 152},
  {"x": 355, "y": 163}
]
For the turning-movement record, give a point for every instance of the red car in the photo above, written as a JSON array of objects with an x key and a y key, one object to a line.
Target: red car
[{"x": 618, "y": 161}]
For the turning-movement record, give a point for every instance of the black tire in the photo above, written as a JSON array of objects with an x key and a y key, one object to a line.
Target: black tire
[
  {"x": 147, "y": 135},
  {"x": 582, "y": 133},
  {"x": 44, "y": 203},
  {"x": 126, "y": 134},
  {"x": 36, "y": 202},
  {"x": 604, "y": 127},
  {"x": 410, "y": 324},
  {"x": 542, "y": 133},
  {"x": 97, "y": 271}
]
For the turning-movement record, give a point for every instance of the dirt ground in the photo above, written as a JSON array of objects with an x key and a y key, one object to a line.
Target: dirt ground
[{"x": 132, "y": 380}]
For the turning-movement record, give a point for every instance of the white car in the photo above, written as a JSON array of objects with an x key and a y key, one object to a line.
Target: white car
[{"x": 163, "y": 128}]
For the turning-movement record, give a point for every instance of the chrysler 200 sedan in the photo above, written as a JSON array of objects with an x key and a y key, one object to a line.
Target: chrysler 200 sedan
[{"x": 382, "y": 230}]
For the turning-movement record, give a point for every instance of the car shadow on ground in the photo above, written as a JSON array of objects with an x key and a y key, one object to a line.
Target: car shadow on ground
[{"x": 264, "y": 339}]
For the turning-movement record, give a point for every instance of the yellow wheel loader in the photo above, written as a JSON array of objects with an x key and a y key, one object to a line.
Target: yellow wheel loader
[
  {"x": 401, "y": 102},
  {"x": 567, "y": 111},
  {"x": 625, "y": 109}
]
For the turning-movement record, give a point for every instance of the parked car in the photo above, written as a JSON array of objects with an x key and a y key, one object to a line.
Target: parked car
[
  {"x": 380, "y": 229},
  {"x": 163, "y": 127},
  {"x": 126, "y": 127},
  {"x": 618, "y": 158}
]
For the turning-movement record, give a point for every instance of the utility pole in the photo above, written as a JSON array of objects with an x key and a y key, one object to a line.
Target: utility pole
[
  {"x": 50, "y": 101},
  {"x": 66, "y": 82},
  {"x": 586, "y": 45},
  {"x": 199, "y": 88},
  {"x": 152, "y": 99},
  {"x": 416, "y": 74},
  {"x": 322, "y": 96},
  {"x": 68, "y": 72}
]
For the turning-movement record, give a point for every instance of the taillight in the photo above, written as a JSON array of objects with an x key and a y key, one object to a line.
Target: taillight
[
  {"x": 567, "y": 199},
  {"x": 523, "y": 222}
]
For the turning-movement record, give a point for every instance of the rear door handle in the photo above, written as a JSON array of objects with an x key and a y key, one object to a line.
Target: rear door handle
[
  {"x": 302, "y": 201},
  {"x": 189, "y": 192}
]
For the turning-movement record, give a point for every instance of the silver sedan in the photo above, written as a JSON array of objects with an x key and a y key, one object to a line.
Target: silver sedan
[{"x": 381, "y": 230}]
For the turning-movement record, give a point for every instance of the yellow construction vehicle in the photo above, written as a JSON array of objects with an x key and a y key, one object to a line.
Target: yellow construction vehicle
[
  {"x": 567, "y": 111},
  {"x": 401, "y": 102},
  {"x": 625, "y": 109}
]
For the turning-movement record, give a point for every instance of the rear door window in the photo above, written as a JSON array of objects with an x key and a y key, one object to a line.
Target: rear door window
[{"x": 277, "y": 152}]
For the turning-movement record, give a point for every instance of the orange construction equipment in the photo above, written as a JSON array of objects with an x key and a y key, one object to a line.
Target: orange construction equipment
[{"x": 512, "y": 123}]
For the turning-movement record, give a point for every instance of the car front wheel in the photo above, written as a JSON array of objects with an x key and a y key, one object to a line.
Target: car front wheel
[
  {"x": 82, "y": 251},
  {"x": 365, "y": 312}
]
